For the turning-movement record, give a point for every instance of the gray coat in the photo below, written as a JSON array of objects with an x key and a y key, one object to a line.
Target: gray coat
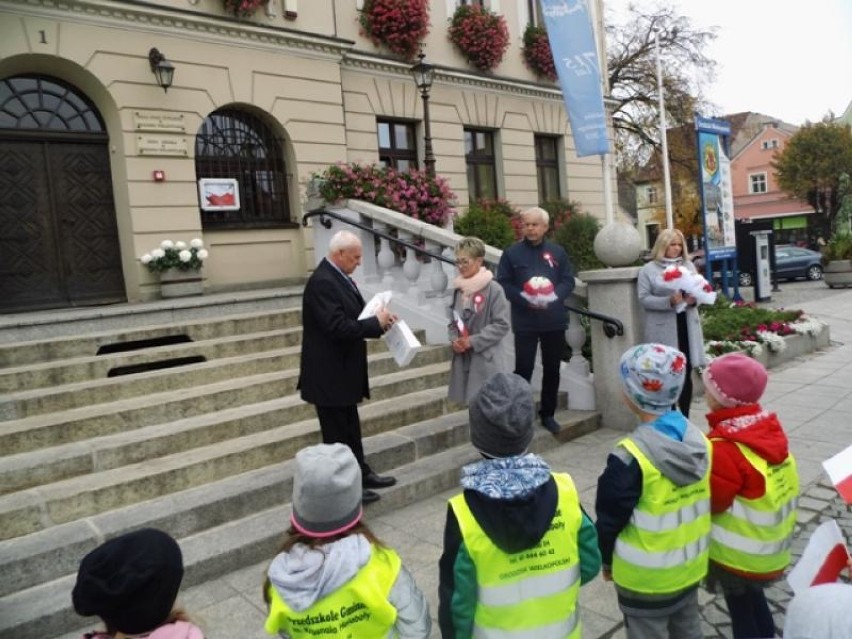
[
  {"x": 661, "y": 318},
  {"x": 489, "y": 353}
]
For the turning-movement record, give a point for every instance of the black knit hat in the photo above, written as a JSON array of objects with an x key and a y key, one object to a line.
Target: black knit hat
[{"x": 131, "y": 582}]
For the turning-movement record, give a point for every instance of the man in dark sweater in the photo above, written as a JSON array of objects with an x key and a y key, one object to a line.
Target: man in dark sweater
[{"x": 537, "y": 278}]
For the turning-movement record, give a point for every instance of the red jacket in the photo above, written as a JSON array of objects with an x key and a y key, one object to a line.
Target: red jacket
[{"x": 731, "y": 473}]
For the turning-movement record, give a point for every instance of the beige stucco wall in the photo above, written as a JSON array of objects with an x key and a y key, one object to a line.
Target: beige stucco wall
[{"x": 314, "y": 80}]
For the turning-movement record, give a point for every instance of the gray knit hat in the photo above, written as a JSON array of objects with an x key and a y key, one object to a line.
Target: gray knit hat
[
  {"x": 326, "y": 490},
  {"x": 501, "y": 416}
]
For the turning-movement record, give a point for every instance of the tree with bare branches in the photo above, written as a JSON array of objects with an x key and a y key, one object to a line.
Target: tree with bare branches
[{"x": 632, "y": 74}]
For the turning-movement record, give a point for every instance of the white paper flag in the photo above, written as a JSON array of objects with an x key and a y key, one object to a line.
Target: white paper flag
[
  {"x": 824, "y": 558},
  {"x": 839, "y": 469}
]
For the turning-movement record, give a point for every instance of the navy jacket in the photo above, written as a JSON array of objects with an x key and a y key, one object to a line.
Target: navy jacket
[{"x": 519, "y": 263}]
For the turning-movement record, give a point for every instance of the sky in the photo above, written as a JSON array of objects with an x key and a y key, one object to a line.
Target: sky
[{"x": 788, "y": 60}]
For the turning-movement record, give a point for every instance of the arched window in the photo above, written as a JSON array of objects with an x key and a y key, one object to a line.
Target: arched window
[
  {"x": 237, "y": 145},
  {"x": 35, "y": 103}
]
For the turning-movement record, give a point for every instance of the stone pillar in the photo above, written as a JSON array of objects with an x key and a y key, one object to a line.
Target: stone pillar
[{"x": 613, "y": 292}]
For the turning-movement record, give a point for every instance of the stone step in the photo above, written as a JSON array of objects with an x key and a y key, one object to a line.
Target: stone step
[
  {"x": 75, "y": 395},
  {"x": 232, "y": 523},
  {"x": 95, "y": 454},
  {"x": 80, "y": 369},
  {"x": 198, "y": 329},
  {"x": 99, "y": 420},
  {"x": 33, "y": 509},
  {"x": 45, "y": 325}
]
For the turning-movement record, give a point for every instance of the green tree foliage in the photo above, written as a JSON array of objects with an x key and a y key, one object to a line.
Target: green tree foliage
[
  {"x": 577, "y": 236},
  {"x": 810, "y": 166},
  {"x": 632, "y": 68},
  {"x": 489, "y": 221}
]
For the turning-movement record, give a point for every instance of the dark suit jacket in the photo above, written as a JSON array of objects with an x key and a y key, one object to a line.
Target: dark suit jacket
[{"x": 333, "y": 369}]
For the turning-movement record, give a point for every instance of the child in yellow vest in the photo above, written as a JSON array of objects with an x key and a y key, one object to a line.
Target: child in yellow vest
[
  {"x": 653, "y": 502},
  {"x": 754, "y": 487},
  {"x": 517, "y": 544},
  {"x": 333, "y": 577}
]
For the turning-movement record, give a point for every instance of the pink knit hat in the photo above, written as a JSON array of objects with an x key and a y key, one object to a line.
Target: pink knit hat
[{"x": 735, "y": 379}]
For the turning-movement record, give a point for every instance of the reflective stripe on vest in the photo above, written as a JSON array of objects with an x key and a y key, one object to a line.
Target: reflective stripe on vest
[
  {"x": 531, "y": 594},
  {"x": 360, "y": 608},
  {"x": 754, "y": 535},
  {"x": 664, "y": 548}
]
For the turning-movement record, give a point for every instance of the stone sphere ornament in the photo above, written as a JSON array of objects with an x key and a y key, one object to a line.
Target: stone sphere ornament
[{"x": 618, "y": 244}]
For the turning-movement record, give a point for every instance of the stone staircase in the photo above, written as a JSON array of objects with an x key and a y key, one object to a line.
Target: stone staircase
[{"x": 188, "y": 421}]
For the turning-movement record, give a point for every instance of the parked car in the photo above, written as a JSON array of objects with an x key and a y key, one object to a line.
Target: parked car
[{"x": 791, "y": 262}]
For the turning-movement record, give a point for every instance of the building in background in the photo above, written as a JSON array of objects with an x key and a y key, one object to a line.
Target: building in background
[
  {"x": 100, "y": 164},
  {"x": 755, "y": 140}
]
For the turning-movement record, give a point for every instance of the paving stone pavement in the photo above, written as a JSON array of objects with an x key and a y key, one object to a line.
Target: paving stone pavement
[{"x": 812, "y": 396}]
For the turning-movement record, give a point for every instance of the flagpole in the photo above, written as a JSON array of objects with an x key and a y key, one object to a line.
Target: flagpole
[{"x": 667, "y": 180}]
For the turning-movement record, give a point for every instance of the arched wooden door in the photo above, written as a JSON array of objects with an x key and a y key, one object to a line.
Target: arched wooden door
[{"x": 58, "y": 235}]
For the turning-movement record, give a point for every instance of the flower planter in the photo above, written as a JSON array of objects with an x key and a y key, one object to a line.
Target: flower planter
[
  {"x": 838, "y": 273},
  {"x": 177, "y": 283}
]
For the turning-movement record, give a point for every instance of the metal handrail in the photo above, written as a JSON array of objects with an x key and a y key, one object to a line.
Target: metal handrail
[{"x": 612, "y": 326}]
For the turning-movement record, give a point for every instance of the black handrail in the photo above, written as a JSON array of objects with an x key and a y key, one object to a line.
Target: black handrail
[
  {"x": 612, "y": 326},
  {"x": 323, "y": 212}
]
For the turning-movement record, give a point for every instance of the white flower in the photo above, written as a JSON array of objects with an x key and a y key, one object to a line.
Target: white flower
[
  {"x": 167, "y": 244},
  {"x": 184, "y": 256},
  {"x": 157, "y": 253},
  {"x": 179, "y": 245},
  {"x": 202, "y": 254},
  {"x": 774, "y": 342},
  {"x": 146, "y": 258},
  {"x": 196, "y": 243},
  {"x": 808, "y": 326}
]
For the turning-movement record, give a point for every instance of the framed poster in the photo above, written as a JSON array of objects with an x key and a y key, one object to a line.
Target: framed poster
[{"x": 219, "y": 194}]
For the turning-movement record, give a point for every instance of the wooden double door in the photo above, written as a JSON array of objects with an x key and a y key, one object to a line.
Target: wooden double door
[{"x": 58, "y": 236}]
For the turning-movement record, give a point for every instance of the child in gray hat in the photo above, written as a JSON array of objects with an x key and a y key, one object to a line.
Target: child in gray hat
[
  {"x": 517, "y": 543},
  {"x": 333, "y": 577}
]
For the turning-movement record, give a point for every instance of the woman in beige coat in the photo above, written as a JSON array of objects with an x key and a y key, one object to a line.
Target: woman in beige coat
[
  {"x": 479, "y": 323},
  {"x": 663, "y": 323}
]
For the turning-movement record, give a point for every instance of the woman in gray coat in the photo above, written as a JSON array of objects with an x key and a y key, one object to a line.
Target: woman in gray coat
[
  {"x": 663, "y": 323},
  {"x": 479, "y": 323}
]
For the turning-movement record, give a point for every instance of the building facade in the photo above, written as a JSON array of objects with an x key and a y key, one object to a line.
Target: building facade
[
  {"x": 757, "y": 196},
  {"x": 100, "y": 164}
]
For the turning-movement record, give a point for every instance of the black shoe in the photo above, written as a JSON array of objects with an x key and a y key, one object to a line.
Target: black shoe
[
  {"x": 369, "y": 496},
  {"x": 372, "y": 480},
  {"x": 550, "y": 424}
]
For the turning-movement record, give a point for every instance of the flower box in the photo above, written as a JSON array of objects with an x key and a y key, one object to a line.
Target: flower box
[{"x": 177, "y": 283}]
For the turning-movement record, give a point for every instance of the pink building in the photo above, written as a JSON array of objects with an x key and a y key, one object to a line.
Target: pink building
[{"x": 757, "y": 195}]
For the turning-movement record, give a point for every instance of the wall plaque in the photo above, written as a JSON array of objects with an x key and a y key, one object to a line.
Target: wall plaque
[
  {"x": 161, "y": 145},
  {"x": 158, "y": 121}
]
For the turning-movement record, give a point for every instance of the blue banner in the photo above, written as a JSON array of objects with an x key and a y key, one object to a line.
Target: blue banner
[{"x": 572, "y": 41}]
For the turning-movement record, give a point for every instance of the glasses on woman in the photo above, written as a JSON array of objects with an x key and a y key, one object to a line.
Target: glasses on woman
[{"x": 463, "y": 261}]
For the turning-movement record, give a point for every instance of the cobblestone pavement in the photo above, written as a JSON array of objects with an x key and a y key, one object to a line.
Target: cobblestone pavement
[{"x": 812, "y": 396}]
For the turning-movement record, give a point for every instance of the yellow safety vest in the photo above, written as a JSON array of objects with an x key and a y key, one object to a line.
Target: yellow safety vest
[
  {"x": 531, "y": 594},
  {"x": 754, "y": 535},
  {"x": 664, "y": 548},
  {"x": 359, "y": 609}
]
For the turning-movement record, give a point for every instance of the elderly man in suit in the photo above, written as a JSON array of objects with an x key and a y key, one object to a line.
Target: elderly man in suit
[{"x": 333, "y": 370}]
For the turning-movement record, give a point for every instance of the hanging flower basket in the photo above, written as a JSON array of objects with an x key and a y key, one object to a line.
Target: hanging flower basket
[
  {"x": 244, "y": 8},
  {"x": 537, "y": 54},
  {"x": 398, "y": 25},
  {"x": 480, "y": 35}
]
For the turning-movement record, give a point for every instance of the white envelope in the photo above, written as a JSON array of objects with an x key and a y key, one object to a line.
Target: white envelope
[
  {"x": 380, "y": 299},
  {"x": 402, "y": 343}
]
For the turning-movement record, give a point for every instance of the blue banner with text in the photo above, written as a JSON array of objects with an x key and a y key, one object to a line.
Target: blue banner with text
[{"x": 572, "y": 41}]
